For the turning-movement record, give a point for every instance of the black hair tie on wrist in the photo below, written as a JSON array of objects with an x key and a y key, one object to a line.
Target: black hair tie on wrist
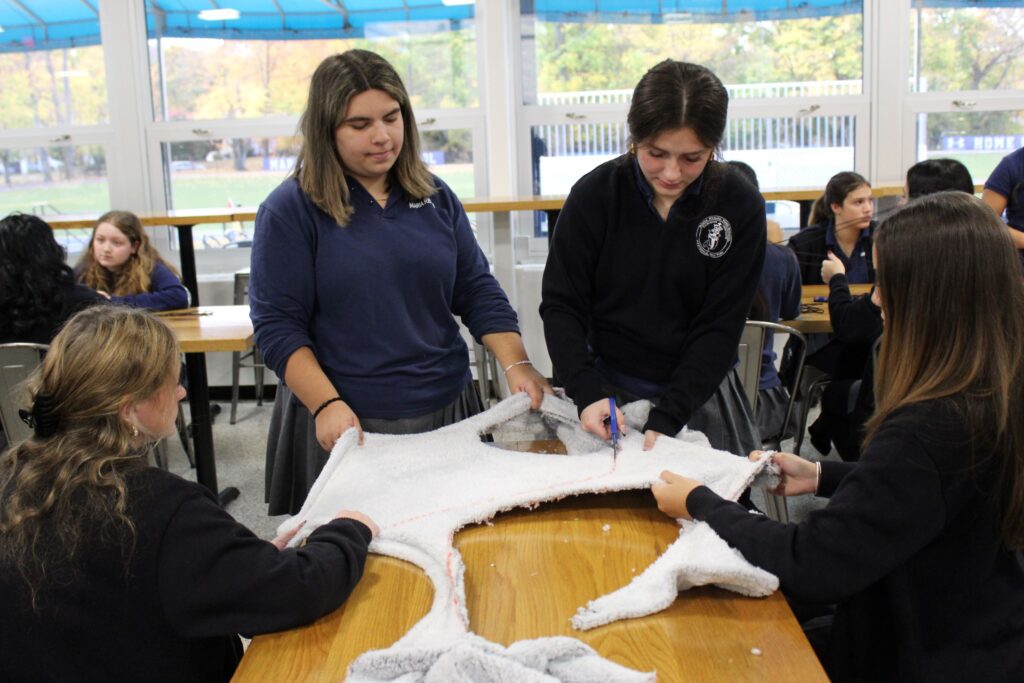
[
  {"x": 323, "y": 405},
  {"x": 43, "y": 418}
]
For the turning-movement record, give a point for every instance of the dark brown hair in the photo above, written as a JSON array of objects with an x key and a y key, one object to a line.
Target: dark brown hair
[{"x": 675, "y": 95}]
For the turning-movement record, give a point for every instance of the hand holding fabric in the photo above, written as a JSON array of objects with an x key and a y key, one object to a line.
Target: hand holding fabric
[
  {"x": 799, "y": 476},
  {"x": 526, "y": 378},
  {"x": 671, "y": 493},
  {"x": 333, "y": 421}
]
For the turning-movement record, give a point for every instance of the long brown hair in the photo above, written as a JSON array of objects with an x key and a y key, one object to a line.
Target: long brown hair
[
  {"x": 134, "y": 276},
  {"x": 953, "y": 298},
  {"x": 319, "y": 168},
  {"x": 65, "y": 483}
]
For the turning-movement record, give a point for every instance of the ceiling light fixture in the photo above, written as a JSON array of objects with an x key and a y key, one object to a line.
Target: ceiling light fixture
[{"x": 220, "y": 14}]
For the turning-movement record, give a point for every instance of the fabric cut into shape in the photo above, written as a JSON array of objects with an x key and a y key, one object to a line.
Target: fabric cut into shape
[{"x": 442, "y": 481}]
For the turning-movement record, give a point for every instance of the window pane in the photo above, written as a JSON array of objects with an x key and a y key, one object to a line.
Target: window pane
[
  {"x": 42, "y": 88},
  {"x": 262, "y": 70},
  {"x": 598, "y": 56},
  {"x": 978, "y": 139},
  {"x": 800, "y": 151},
  {"x": 449, "y": 155},
  {"x": 221, "y": 174},
  {"x": 966, "y": 48}
]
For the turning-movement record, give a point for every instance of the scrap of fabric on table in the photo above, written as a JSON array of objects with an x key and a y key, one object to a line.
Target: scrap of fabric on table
[{"x": 422, "y": 488}]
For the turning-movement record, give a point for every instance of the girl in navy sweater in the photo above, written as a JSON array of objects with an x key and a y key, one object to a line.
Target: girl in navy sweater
[
  {"x": 920, "y": 543},
  {"x": 122, "y": 265}
]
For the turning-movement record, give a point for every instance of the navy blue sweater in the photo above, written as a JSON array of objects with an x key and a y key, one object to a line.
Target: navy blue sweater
[
  {"x": 374, "y": 299},
  {"x": 165, "y": 292}
]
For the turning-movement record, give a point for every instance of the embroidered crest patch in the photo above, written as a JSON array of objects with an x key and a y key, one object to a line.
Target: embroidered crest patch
[{"x": 714, "y": 236}]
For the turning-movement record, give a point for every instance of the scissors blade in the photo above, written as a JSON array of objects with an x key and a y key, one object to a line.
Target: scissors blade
[{"x": 614, "y": 429}]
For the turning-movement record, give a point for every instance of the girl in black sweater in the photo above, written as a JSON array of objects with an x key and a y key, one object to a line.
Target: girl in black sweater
[
  {"x": 920, "y": 542},
  {"x": 112, "y": 570},
  {"x": 654, "y": 262}
]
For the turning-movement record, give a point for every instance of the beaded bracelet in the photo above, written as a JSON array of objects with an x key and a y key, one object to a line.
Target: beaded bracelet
[
  {"x": 323, "y": 405},
  {"x": 518, "y": 362}
]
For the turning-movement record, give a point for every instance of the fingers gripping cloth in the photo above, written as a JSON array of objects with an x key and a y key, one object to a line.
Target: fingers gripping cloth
[{"x": 421, "y": 489}]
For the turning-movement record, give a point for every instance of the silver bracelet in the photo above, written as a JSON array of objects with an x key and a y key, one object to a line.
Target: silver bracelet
[
  {"x": 817, "y": 476},
  {"x": 518, "y": 362}
]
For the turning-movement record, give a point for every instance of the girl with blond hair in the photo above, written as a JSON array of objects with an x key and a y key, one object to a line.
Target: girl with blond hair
[{"x": 114, "y": 570}]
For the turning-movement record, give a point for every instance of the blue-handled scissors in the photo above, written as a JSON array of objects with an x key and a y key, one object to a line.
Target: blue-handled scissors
[{"x": 614, "y": 420}]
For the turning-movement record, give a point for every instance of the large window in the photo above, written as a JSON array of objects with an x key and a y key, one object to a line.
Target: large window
[
  {"x": 254, "y": 65},
  {"x": 966, "y": 48},
  {"x": 598, "y": 54},
  {"x": 978, "y": 139}
]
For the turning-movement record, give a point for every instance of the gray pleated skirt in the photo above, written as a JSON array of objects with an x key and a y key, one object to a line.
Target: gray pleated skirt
[
  {"x": 771, "y": 411},
  {"x": 727, "y": 419},
  {"x": 294, "y": 456}
]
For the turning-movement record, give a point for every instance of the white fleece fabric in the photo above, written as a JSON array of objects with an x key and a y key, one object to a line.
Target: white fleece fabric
[{"x": 422, "y": 488}]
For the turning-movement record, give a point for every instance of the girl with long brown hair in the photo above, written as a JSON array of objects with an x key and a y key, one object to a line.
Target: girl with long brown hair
[
  {"x": 361, "y": 262},
  {"x": 122, "y": 265},
  {"x": 113, "y": 570},
  {"x": 920, "y": 543}
]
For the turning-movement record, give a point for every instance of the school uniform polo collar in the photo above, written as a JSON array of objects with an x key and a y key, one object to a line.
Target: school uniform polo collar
[
  {"x": 857, "y": 263},
  {"x": 647, "y": 192}
]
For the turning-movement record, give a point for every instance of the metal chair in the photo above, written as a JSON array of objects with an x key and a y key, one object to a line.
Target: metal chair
[
  {"x": 17, "y": 361},
  {"x": 487, "y": 376},
  {"x": 752, "y": 342},
  {"x": 238, "y": 359}
]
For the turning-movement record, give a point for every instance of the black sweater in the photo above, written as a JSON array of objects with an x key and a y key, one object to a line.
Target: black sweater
[
  {"x": 909, "y": 548},
  {"x": 811, "y": 249},
  {"x": 641, "y": 294},
  {"x": 196, "y": 578}
]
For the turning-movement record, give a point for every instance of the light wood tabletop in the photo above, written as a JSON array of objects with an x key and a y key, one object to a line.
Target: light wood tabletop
[
  {"x": 525, "y": 577},
  {"x": 211, "y": 328},
  {"x": 814, "y": 316}
]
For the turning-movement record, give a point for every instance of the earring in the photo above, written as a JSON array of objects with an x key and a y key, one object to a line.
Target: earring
[
  {"x": 135, "y": 432},
  {"x": 632, "y": 149}
]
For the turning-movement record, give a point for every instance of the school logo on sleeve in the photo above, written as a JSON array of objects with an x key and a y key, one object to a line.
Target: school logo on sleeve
[{"x": 714, "y": 236}]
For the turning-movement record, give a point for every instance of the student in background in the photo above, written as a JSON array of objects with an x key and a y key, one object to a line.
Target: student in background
[
  {"x": 1004, "y": 192},
  {"x": 37, "y": 288},
  {"x": 122, "y": 265},
  {"x": 920, "y": 543},
  {"x": 361, "y": 261},
  {"x": 846, "y": 233},
  {"x": 937, "y": 175},
  {"x": 849, "y": 399},
  {"x": 653, "y": 266},
  {"x": 778, "y": 298},
  {"x": 114, "y": 570}
]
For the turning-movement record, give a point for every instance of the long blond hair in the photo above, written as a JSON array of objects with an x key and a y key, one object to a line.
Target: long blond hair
[
  {"x": 319, "y": 168},
  {"x": 953, "y": 297},
  {"x": 134, "y": 276},
  {"x": 65, "y": 483}
]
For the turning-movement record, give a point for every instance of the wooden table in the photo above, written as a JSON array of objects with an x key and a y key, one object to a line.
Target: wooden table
[
  {"x": 202, "y": 329},
  {"x": 525, "y": 577},
  {"x": 817, "y": 320}
]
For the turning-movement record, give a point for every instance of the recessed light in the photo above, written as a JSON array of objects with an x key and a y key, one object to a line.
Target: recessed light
[
  {"x": 220, "y": 14},
  {"x": 456, "y": 3}
]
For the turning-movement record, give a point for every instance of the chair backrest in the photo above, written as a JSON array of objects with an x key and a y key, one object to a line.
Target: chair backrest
[
  {"x": 751, "y": 345},
  {"x": 17, "y": 361},
  {"x": 749, "y": 352}
]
